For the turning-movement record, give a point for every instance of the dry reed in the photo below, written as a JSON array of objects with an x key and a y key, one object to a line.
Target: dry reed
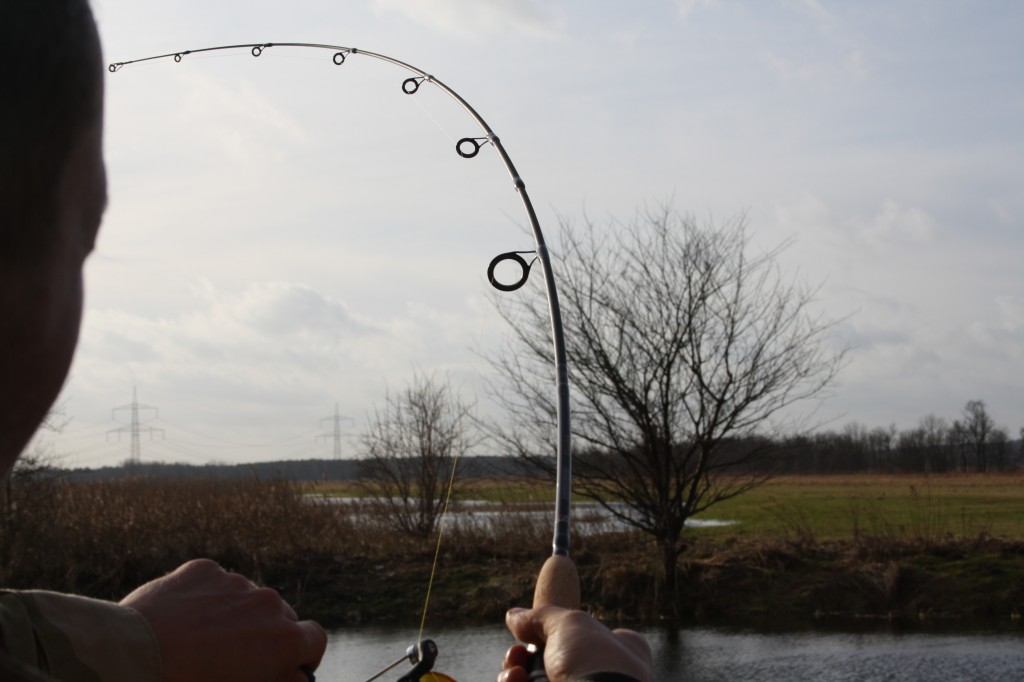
[{"x": 104, "y": 538}]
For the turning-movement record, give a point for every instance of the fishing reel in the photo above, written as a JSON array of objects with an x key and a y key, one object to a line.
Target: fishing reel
[{"x": 422, "y": 656}]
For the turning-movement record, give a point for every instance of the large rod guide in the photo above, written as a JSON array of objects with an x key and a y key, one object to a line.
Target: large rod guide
[{"x": 468, "y": 147}]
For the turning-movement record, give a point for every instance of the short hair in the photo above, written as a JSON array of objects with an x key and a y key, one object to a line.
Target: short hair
[{"x": 51, "y": 86}]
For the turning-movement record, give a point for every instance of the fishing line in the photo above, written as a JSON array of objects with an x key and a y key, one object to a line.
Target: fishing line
[
  {"x": 426, "y": 112},
  {"x": 440, "y": 534}
]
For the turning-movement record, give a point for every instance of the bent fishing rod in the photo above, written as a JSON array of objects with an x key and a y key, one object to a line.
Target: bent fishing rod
[{"x": 558, "y": 581}]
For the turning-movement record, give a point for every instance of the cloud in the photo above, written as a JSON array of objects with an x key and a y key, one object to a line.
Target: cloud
[
  {"x": 815, "y": 9},
  {"x": 264, "y": 325},
  {"x": 890, "y": 230},
  {"x": 286, "y": 309},
  {"x": 272, "y": 338},
  {"x": 861, "y": 130},
  {"x": 828, "y": 70},
  {"x": 685, "y": 8},
  {"x": 790, "y": 70},
  {"x": 882, "y": 321},
  {"x": 895, "y": 224},
  {"x": 628, "y": 38},
  {"x": 1011, "y": 312},
  {"x": 999, "y": 209},
  {"x": 477, "y": 20},
  {"x": 811, "y": 46},
  {"x": 237, "y": 119}
]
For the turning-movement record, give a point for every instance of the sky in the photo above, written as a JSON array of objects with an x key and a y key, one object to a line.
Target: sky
[{"x": 287, "y": 237}]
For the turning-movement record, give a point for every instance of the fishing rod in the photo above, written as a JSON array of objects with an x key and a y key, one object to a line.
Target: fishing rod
[{"x": 558, "y": 580}]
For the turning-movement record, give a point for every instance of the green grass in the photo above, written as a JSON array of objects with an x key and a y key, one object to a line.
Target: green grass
[
  {"x": 904, "y": 507},
  {"x": 897, "y": 507}
]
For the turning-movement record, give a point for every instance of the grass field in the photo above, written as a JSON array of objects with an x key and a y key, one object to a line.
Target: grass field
[
  {"x": 889, "y": 506},
  {"x": 897, "y": 507}
]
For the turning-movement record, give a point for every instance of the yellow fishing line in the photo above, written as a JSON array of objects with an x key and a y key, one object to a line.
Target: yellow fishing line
[{"x": 437, "y": 550}]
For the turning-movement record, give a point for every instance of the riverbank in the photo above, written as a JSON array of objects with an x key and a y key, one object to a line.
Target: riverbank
[
  {"x": 803, "y": 550},
  {"x": 342, "y": 565},
  {"x": 776, "y": 583}
]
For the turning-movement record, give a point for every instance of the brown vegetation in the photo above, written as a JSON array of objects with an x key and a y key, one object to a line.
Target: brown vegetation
[{"x": 339, "y": 563}]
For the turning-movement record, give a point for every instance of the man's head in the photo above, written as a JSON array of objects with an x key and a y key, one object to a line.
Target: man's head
[{"x": 52, "y": 196}]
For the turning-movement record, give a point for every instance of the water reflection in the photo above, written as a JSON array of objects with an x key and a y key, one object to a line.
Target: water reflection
[
  {"x": 588, "y": 517},
  {"x": 840, "y": 657},
  {"x": 710, "y": 655},
  {"x": 467, "y": 654}
]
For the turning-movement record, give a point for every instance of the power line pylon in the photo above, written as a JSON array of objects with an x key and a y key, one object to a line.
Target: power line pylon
[
  {"x": 335, "y": 434},
  {"x": 135, "y": 427}
]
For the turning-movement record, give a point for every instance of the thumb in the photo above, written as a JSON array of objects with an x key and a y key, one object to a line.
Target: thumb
[
  {"x": 521, "y": 624},
  {"x": 533, "y": 625}
]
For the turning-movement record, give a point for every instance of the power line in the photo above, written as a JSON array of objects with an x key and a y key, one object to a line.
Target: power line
[
  {"x": 335, "y": 434},
  {"x": 134, "y": 427},
  {"x": 226, "y": 443}
]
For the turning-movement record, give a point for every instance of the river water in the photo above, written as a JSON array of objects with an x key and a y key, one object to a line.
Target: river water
[{"x": 714, "y": 655}]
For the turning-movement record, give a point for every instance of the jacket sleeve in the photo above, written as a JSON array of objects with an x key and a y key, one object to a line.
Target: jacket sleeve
[{"x": 75, "y": 639}]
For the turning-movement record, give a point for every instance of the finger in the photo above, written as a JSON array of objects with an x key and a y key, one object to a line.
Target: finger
[
  {"x": 200, "y": 566},
  {"x": 526, "y": 624},
  {"x": 513, "y": 675},
  {"x": 548, "y": 619},
  {"x": 286, "y": 608},
  {"x": 314, "y": 643},
  {"x": 267, "y": 601},
  {"x": 635, "y": 642},
  {"x": 516, "y": 657},
  {"x": 238, "y": 582}
]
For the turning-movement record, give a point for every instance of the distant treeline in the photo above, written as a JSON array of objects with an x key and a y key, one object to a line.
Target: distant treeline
[
  {"x": 973, "y": 443},
  {"x": 858, "y": 449},
  {"x": 291, "y": 470},
  {"x": 854, "y": 449}
]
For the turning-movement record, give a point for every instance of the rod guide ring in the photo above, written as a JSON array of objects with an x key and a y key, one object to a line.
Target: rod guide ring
[
  {"x": 467, "y": 147},
  {"x": 519, "y": 260}
]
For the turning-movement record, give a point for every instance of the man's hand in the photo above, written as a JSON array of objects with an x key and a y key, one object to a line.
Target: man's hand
[
  {"x": 218, "y": 626},
  {"x": 574, "y": 644}
]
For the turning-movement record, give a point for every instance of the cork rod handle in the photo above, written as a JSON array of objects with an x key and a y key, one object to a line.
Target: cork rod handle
[{"x": 558, "y": 584}]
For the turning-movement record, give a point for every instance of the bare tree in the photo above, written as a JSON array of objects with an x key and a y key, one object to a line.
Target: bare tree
[
  {"x": 410, "y": 447},
  {"x": 924, "y": 448},
  {"x": 935, "y": 435},
  {"x": 973, "y": 435},
  {"x": 999, "y": 447},
  {"x": 683, "y": 346}
]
